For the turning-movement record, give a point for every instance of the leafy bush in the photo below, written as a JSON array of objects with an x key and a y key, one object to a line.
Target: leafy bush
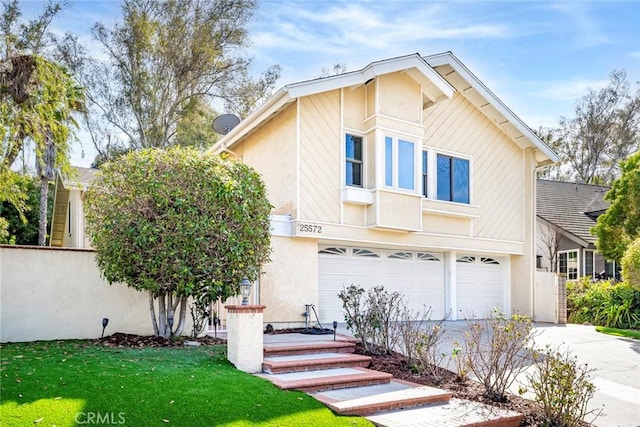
[
  {"x": 373, "y": 317},
  {"x": 562, "y": 387},
  {"x": 496, "y": 351},
  {"x": 421, "y": 340},
  {"x": 630, "y": 263},
  {"x": 604, "y": 303},
  {"x": 178, "y": 224}
]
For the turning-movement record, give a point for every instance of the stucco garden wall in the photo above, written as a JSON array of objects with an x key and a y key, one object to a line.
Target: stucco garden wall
[{"x": 57, "y": 293}]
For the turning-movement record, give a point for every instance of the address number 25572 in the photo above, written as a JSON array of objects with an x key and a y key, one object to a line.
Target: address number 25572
[{"x": 309, "y": 228}]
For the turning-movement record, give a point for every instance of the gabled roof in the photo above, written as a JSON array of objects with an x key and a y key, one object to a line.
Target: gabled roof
[
  {"x": 81, "y": 180},
  {"x": 434, "y": 87},
  {"x": 465, "y": 82},
  {"x": 568, "y": 206},
  {"x": 440, "y": 76}
]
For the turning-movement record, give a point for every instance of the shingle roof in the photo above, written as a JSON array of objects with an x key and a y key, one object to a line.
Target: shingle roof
[{"x": 567, "y": 205}]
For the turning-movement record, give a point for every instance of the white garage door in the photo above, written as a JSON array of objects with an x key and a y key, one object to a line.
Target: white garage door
[
  {"x": 480, "y": 286},
  {"x": 419, "y": 276}
]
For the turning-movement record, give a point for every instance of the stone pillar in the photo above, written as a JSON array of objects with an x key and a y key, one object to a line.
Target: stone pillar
[
  {"x": 244, "y": 337},
  {"x": 561, "y": 286}
]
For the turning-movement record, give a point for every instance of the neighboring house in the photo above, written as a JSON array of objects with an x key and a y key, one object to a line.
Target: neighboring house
[
  {"x": 566, "y": 213},
  {"x": 67, "y": 223},
  {"x": 408, "y": 173}
]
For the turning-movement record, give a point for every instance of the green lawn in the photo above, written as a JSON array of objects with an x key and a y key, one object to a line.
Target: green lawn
[
  {"x": 626, "y": 333},
  {"x": 67, "y": 382}
]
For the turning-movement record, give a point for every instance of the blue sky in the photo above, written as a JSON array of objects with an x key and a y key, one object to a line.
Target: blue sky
[{"x": 539, "y": 57}]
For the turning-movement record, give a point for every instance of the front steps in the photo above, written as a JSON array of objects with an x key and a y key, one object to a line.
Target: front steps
[
  {"x": 321, "y": 347},
  {"x": 329, "y": 379},
  {"x": 330, "y": 372},
  {"x": 396, "y": 394},
  {"x": 313, "y": 362}
]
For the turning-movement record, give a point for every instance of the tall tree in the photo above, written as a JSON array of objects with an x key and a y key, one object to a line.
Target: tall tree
[
  {"x": 604, "y": 131},
  {"x": 38, "y": 98},
  {"x": 620, "y": 224},
  {"x": 177, "y": 224},
  {"x": 165, "y": 60}
]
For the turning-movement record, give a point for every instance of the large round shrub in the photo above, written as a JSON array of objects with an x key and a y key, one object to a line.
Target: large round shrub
[{"x": 178, "y": 224}]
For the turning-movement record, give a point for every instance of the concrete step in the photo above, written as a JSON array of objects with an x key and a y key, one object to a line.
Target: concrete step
[
  {"x": 397, "y": 394},
  {"x": 457, "y": 413},
  {"x": 313, "y": 362},
  {"x": 289, "y": 349},
  {"x": 327, "y": 379}
]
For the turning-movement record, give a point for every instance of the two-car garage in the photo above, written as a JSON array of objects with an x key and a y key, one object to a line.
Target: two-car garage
[{"x": 418, "y": 275}]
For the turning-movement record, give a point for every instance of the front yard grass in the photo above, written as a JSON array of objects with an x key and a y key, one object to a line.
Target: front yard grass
[
  {"x": 625, "y": 333},
  {"x": 65, "y": 383}
]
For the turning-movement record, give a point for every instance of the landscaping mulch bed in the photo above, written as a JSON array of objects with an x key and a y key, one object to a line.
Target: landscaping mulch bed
[
  {"x": 129, "y": 340},
  {"x": 396, "y": 365}
]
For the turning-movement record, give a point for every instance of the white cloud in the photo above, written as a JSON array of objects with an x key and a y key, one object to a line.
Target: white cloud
[
  {"x": 582, "y": 23},
  {"x": 570, "y": 90}
]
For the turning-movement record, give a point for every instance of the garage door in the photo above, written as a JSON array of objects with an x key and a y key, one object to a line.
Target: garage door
[
  {"x": 419, "y": 276},
  {"x": 480, "y": 286}
]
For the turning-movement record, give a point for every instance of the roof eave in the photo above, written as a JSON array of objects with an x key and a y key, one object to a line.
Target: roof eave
[
  {"x": 270, "y": 107},
  {"x": 565, "y": 233},
  {"x": 291, "y": 92},
  {"x": 378, "y": 68},
  {"x": 448, "y": 58}
]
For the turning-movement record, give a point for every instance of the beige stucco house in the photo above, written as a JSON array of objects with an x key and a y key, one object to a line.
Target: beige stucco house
[
  {"x": 408, "y": 173},
  {"x": 67, "y": 221}
]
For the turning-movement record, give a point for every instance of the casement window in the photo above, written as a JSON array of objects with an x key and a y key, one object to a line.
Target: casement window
[
  {"x": 353, "y": 157},
  {"x": 568, "y": 264},
  {"x": 452, "y": 179},
  {"x": 399, "y": 163}
]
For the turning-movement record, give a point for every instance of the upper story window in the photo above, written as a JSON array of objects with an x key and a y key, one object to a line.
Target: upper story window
[
  {"x": 453, "y": 179},
  {"x": 353, "y": 156},
  {"x": 399, "y": 163}
]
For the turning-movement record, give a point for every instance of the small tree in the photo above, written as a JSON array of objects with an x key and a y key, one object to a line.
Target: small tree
[
  {"x": 178, "y": 224},
  {"x": 620, "y": 224},
  {"x": 550, "y": 238},
  {"x": 495, "y": 351},
  {"x": 631, "y": 264},
  {"x": 562, "y": 387}
]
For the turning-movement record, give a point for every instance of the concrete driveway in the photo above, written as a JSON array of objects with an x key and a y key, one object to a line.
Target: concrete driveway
[
  {"x": 617, "y": 369},
  {"x": 616, "y": 362}
]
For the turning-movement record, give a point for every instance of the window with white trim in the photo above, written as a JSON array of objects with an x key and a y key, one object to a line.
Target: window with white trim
[
  {"x": 452, "y": 179},
  {"x": 399, "y": 163},
  {"x": 364, "y": 253},
  {"x": 568, "y": 264},
  {"x": 353, "y": 160}
]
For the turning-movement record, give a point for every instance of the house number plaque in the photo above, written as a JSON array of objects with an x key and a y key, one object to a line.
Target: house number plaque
[{"x": 309, "y": 228}]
